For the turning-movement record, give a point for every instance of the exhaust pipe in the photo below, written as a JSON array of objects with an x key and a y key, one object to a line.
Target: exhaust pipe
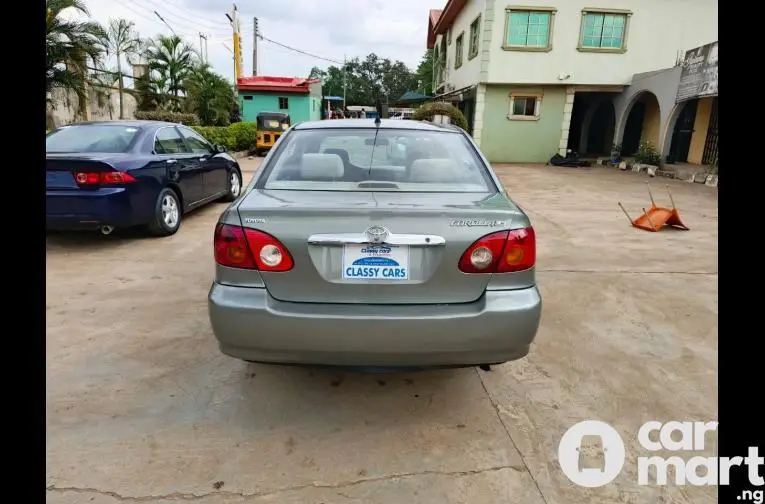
[{"x": 107, "y": 230}]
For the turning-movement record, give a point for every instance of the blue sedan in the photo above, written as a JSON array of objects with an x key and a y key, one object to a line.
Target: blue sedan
[{"x": 119, "y": 174}]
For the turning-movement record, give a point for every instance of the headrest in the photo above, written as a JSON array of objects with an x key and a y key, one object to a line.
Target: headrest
[
  {"x": 434, "y": 170},
  {"x": 340, "y": 152},
  {"x": 321, "y": 166}
]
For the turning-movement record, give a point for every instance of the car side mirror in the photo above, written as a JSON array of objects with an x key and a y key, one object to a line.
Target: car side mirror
[{"x": 220, "y": 149}]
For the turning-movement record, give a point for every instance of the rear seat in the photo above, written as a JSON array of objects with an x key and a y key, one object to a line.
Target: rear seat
[
  {"x": 434, "y": 170},
  {"x": 321, "y": 167}
]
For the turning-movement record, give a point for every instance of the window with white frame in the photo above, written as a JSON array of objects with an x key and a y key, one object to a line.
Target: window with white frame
[{"x": 524, "y": 106}]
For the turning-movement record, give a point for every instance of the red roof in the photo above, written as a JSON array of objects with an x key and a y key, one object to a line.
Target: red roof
[
  {"x": 300, "y": 85},
  {"x": 433, "y": 16},
  {"x": 440, "y": 21}
]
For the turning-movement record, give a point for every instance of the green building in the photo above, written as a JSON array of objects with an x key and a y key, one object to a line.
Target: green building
[{"x": 299, "y": 97}]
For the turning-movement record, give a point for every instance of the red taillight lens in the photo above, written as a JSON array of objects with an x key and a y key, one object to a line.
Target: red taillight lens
[
  {"x": 237, "y": 247},
  {"x": 104, "y": 178},
  {"x": 501, "y": 252},
  {"x": 269, "y": 253}
]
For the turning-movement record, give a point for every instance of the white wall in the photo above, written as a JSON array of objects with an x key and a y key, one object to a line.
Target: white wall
[
  {"x": 657, "y": 30},
  {"x": 104, "y": 106},
  {"x": 468, "y": 73}
]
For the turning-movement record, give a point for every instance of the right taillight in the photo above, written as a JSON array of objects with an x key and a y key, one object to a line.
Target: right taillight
[
  {"x": 103, "y": 178},
  {"x": 501, "y": 252},
  {"x": 237, "y": 247}
]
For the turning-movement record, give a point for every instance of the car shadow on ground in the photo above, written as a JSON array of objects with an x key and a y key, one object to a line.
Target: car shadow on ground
[
  {"x": 345, "y": 398},
  {"x": 95, "y": 240}
]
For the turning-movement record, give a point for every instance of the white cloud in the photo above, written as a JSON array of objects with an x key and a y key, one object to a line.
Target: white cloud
[{"x": 393, "y": 29}]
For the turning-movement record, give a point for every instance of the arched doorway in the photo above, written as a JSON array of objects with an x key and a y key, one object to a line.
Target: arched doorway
[
  {"x": 682, "y": 132},
  {"x": 642, "y": 123}
]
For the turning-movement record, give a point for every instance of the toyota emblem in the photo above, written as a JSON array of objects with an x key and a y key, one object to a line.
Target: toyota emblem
[{"x": 377, "y": 234}]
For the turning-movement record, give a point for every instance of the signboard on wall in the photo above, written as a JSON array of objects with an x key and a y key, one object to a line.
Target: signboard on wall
[{"x": 699, "y": 75}]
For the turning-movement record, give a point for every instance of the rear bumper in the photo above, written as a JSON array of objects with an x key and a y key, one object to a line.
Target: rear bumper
[
  {"x": 251, "y": 325},
  {"x": 82, "y": 210}
]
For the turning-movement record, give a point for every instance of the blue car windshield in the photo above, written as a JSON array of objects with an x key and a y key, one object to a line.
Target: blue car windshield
[{"x": 97, "y": 138}]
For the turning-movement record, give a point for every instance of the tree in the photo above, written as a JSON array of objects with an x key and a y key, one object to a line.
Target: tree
[
  {"x": 209, "y": 96},
  {"x": 367, "y": 80},
  {"x": 173, "y": 60},
  {"x": 69, "y": 47},
  {"x": 121, "y": 40},
  {"x": 425, "y": 73},
  {"x": 317, "y": 73}
]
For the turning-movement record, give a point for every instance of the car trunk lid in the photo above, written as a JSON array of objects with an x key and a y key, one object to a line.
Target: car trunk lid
[
  {"x": 60, "y": 169},
  {"x": 336, "y": 261}
]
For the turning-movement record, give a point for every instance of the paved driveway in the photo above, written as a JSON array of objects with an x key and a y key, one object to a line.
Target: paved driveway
[{"x": 141, "y": 406}]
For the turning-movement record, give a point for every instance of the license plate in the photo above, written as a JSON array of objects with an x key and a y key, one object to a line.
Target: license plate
[{"x": 375, "y": 262}]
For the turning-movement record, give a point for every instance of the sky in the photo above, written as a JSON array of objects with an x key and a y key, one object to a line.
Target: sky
[{"x": 395, "y": 29}]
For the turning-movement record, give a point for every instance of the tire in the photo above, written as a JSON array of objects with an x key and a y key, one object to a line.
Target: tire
[
  {"x": 167, "y": 205},
  {"x": 234, "y": 189}
]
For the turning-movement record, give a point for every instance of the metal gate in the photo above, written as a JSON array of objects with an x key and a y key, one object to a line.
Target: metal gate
[{"x": 710, "y": 145}]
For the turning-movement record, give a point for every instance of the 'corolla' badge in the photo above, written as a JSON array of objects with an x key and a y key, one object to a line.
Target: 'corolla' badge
[
  {"x": 476, "y": 223},
  {"x": 377, "y": 234}
]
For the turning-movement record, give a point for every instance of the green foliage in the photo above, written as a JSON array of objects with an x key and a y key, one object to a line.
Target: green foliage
[
  {"x": 171, "y": 60},
  {"x": 367, "y": 80},
  {"x": 209, "y": 96},
  {"x": 431, "y": 109},
  {"x": 244, "y": 134},
  {"x": 239, "y": 136},
  {"x": 70, "y": 46},
  {"x": 119, "y": 39},
  {"x": 647, "y": 154},
  {"x": 164, "y": 115},
  {"x": 425, "y": 73}
]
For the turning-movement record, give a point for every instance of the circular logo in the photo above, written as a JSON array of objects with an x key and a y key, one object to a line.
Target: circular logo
[
  {"x": 377, "y": 234},
  {"x": 571, "y": 454}
]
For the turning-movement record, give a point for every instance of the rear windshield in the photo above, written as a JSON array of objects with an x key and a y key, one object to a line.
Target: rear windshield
[
  {"x": 366, "y": 159},
  {"x": 91, "y": 138}
]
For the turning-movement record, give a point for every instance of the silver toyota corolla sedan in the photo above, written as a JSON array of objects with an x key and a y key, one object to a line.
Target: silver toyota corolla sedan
[{"x": 375, "y": 243}]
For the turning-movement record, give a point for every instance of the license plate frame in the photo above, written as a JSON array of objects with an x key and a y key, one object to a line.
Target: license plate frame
[{"x": 367, "y": 262}]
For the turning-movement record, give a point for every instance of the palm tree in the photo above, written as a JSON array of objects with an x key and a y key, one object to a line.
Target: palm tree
[
  {"x": 173, "y": 60},
  {"x": 69, "y": 46},
  {"x": 120, "y": 39},
  {"x": 209, "y": 96}
]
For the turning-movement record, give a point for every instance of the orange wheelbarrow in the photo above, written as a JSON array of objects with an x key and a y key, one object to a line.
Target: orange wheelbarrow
[{"x": 655, "y": 218}]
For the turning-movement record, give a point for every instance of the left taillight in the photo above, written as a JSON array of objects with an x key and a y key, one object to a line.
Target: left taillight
[
  {"x": 103, "y": 178},
  {"x": 244, "y": 248}
]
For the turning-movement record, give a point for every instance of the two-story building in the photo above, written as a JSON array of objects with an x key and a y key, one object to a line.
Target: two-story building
[{"x": 530, "y": 77}]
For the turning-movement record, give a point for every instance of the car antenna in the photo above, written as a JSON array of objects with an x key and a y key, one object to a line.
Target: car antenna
[{"x": 378, "y": 106}]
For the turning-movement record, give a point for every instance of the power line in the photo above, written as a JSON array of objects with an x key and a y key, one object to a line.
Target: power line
[
  {"x": 165, "y": 4},
  {"x": 190, "y": 26},
  {"x": 306, "y": 53}
]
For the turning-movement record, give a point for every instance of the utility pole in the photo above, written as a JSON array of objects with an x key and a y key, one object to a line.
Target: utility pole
[
  {"x": 203, "y": 46},
  {"x": 234, "y": 19},
  {"x": 345, "y": 79},
  {"x": 255, "y": 48}
]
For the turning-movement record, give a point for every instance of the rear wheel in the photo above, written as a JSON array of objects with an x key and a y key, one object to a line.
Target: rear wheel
[
  {"x": 234, "y": 186},
  {"x": 167, "y": 214}
]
